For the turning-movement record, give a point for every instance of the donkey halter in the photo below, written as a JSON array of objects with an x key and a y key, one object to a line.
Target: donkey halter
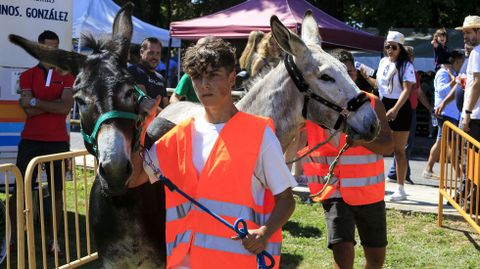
[
  {"x": 115, "y": 114},
  {"x": 353, "y": 104}
]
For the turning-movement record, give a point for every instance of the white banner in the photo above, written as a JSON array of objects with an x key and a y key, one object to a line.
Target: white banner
[{"x": 29, "y": 18}]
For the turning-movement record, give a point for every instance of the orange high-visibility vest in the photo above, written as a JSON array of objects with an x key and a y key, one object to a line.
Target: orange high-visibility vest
[
  {"x": 358, "y": 176},
  {"x": 224, "y": 186}
]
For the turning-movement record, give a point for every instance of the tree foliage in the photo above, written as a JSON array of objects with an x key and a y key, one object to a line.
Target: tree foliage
[{"x": 382, "y": 14}]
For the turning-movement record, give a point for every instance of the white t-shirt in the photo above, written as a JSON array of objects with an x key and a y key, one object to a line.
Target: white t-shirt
[
  {"x": 387, "y": 69},
  {"x": 270, "y": 170},
  {"x": 472, "y": 67}
]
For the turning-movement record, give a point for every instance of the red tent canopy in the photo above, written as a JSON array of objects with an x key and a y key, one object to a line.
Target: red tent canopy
[{"x": 238, "y": 21}]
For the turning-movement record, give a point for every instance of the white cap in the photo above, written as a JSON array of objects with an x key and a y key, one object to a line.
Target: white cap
[{"x": 395, "y": 36}]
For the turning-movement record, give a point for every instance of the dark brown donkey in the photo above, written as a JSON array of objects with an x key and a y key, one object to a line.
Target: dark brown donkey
[{"x": 128, "y": 224}]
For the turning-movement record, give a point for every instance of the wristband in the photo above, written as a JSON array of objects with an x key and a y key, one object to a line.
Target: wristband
[{"x": 468, "y": 111}]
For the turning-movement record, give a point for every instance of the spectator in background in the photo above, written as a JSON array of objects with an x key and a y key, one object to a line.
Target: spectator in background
[
  {"x": 440, "y": 49},
  {"x": 471, "y": 104},
  {"x": 144, "y": 73},
  {"x": 416, "y": 95},
  {"x": 46, "y": 98},
  {"x": 395, "y": 80},
  {"x": 172, "y": 67},
  {"x": 184, "y": 91},
  {"x": 250, "y": 52},
  {"x": 268, "y": 54},
  {"x": 458, "y": 90},
  {"x": 445, "y": 81}
]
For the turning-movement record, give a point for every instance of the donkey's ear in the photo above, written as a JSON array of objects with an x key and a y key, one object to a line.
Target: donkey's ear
[
  {"x": 286, "y": 39},
  {"x": 66, "y": 61},
  {"x": 310, "y": 33},
  {"x": 123, "y": 29}
]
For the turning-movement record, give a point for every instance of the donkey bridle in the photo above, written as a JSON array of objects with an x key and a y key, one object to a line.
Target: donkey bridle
[
  {"x": 115, "y": 114},
  {"x": 353, "y": 104}
]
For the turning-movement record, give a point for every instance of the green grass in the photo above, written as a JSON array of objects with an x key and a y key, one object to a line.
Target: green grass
[{"x": 415, "y": 241}]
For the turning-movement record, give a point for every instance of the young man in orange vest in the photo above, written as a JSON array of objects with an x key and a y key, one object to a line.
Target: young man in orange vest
[
  {"x": 355, "y": 195},
  {"x": 229, "y": 161}
]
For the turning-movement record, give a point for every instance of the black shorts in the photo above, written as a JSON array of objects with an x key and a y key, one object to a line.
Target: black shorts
[
  {"x": 370, "y": 220},
  {"x": 474, "y": 129},
  {"x": 29, "y": 149},
  {"x": 404, "y": 116}
]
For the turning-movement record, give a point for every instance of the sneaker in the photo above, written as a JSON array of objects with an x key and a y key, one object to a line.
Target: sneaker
[
  {"x": 429, "y": 175},
  {"x": 398, "y": 196}
]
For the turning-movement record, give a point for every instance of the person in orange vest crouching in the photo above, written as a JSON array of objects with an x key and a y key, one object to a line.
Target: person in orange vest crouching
[
  {"x": 355, "y": 194},
  {"x": 229, "y": 161}
]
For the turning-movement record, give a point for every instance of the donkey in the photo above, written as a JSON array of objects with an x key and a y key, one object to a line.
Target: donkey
[
  {"x": 309, "y": 84},
  {"x": 128, "y": 224}
]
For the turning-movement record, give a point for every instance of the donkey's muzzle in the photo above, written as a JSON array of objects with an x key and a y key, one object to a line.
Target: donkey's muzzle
[{"x": 115, "y": 173}]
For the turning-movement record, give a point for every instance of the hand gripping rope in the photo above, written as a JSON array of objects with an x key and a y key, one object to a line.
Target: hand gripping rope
[{"x": 240, "y": 226}]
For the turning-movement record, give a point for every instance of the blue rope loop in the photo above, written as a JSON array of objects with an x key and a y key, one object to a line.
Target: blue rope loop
[
  {"x": 240, "y": 226},
  {"x": 242, "y": 233}
]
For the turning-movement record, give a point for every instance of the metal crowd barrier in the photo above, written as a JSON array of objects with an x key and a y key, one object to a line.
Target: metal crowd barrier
[
  {"x": 10, "y": 170},
  {"x": 459, "y": 174},
  {"x": 82, "y": 249}
]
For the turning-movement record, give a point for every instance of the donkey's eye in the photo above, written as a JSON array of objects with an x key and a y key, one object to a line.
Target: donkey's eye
[
  {"x": 327, "y": 78},
  {"x": 129, "y": 93}
]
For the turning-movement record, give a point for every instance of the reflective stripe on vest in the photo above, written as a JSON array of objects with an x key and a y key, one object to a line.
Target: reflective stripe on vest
[
  {"x": 224, "y": 186},
  {"x": 229, "y": 245},
  {"x": 180, "y": 238},
  {"x": 235, "y": 211},
  {"x": 178, "y": 212},
  {"x": 220, "y": 208},
  {"x": 360, "y": 182}
]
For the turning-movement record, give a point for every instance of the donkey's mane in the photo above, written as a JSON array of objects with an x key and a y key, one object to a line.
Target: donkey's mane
[{"x": 252, "y": 81}]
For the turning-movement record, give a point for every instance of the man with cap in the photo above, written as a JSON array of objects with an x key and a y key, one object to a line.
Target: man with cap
[{"x": 471, "y": 105}]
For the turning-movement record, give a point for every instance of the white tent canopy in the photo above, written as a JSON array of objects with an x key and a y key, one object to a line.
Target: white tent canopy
[{"x": 96, "y": 17}]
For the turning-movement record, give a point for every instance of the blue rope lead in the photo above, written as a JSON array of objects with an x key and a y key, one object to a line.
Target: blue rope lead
[{"x": 240, "y": 226}]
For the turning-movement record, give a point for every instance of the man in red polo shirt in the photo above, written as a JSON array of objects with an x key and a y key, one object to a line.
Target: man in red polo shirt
[{"x": 46, "y": 98}]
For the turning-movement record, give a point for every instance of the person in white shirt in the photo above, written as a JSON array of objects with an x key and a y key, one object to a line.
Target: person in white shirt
[
  {"x": 211, "y": 153},
  {"x": 471, "y": 105},
  {"x": 395, "y": 79}
]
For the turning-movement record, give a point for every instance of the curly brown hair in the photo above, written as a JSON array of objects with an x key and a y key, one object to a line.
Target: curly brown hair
[{"x": 214, "y": 52}]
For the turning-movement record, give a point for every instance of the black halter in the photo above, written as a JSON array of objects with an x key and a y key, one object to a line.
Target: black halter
[{"x": 353, "y": 105}]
